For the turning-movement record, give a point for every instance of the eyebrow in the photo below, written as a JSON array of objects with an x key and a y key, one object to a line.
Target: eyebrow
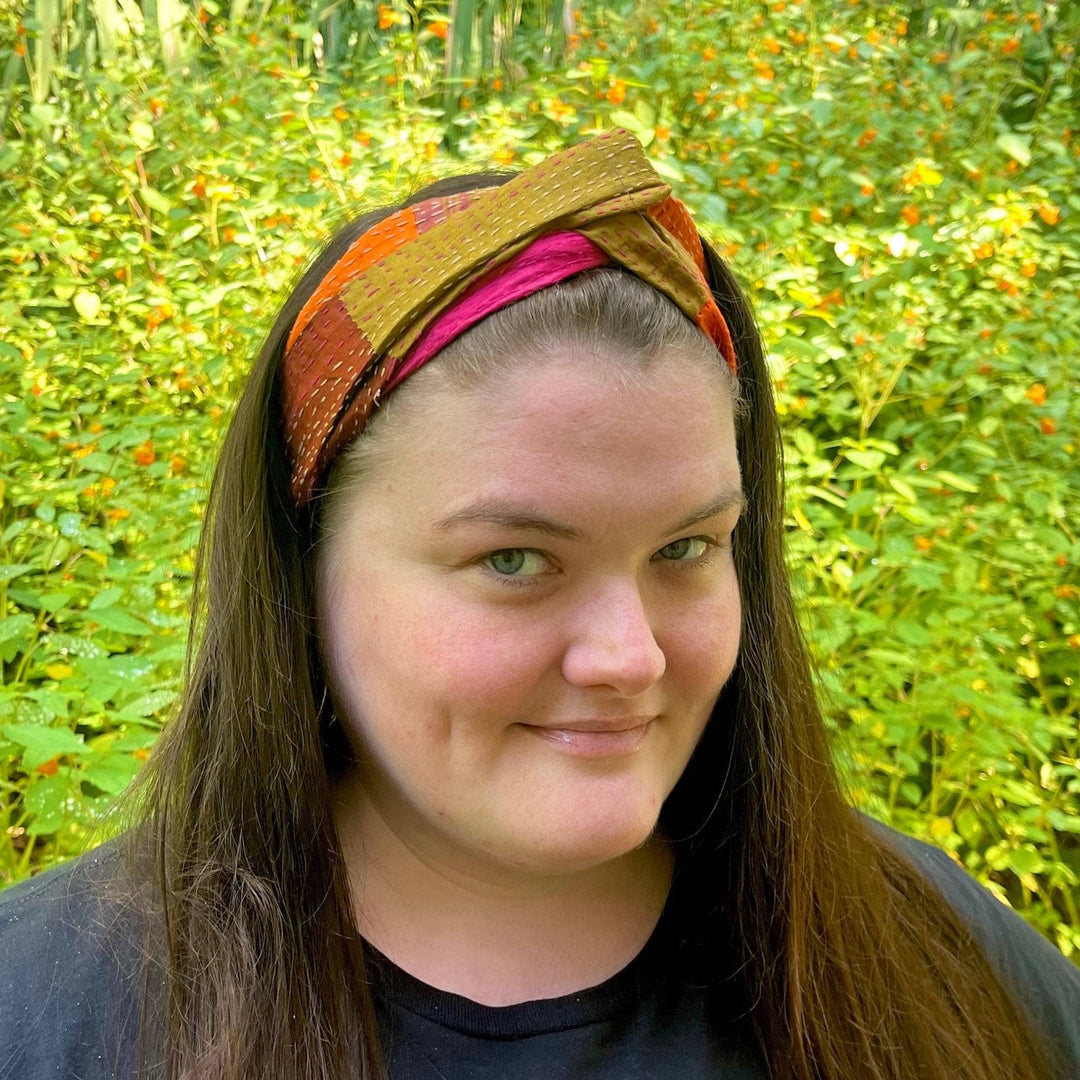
[{"x": 506, "y": 515}]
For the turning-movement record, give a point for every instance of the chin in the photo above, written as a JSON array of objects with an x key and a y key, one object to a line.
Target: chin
[{"x": 578, "y": 847}]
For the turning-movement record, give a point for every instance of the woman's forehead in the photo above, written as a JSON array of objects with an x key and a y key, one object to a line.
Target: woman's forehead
[{"x": 564, "y": 436}]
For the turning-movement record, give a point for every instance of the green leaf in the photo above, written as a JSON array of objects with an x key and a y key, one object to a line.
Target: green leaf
[
  {"x": 111, "y": 772},
  {"x": 14, "y": 570},
  {"x": 1025, "y": 861},
  {"x": 1016, "y": 146},
  {"x": 41, "y": 743},
  {"x": 46, "y": 799},
  {"x": 957, "y": 482},
  {"x": 871, "y": 460},
  {"x": 13, "y": 625},
  {"x": 106, "y": 598},
  {"x": 148, "y": 704},
  {"x": 87, "y": 304},
  {"x": 122, "y": 621}
]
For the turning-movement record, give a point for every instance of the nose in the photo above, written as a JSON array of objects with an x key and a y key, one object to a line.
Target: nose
[{"x": 613, "y": 644}]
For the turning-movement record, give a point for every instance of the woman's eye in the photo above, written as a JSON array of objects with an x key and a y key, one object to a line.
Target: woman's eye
[
  {"x": 515, "y": 562},
  {"x": 686, "y": 550}
]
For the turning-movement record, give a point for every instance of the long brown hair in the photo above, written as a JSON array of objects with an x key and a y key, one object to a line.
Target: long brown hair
[{"x": 848, "y": 963}]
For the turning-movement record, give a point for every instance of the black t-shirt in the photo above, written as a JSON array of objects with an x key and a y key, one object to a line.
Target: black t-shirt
[{"x": 70, "y": 983}]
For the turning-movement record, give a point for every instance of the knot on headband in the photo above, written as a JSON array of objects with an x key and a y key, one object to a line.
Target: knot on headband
[{"x": 418, "y": 278}]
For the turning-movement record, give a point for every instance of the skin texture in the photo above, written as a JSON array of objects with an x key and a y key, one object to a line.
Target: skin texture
[{"x": 491, "y": 853}]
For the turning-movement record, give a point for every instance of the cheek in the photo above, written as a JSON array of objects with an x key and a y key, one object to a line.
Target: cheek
[
  {"x": 428, "y": 655},
  {"x": 702, "y": 641}
]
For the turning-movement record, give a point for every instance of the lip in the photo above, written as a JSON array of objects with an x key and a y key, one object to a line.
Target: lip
[{"x": 597, "y": 737}]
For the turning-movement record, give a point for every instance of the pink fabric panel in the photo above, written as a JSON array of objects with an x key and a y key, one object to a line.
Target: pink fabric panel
[{"x": 546, "y": 261}]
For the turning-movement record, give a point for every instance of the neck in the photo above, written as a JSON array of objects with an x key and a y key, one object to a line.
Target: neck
[{"x": 495, "y": 934}]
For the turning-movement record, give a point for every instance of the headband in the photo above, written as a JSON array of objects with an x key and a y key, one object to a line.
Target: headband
[{"x": 419, "y": 277}]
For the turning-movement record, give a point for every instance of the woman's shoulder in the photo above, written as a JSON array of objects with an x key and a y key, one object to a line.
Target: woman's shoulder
[
  {"x": 70, "y": 969},
  {"x": 1045, "y": 984}
]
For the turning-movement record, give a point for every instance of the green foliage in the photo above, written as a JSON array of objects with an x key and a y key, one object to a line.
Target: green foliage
[{"x": 897, "y": 190}]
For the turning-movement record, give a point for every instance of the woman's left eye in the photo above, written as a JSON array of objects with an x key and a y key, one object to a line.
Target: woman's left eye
[{"x": 689, "y": 549}]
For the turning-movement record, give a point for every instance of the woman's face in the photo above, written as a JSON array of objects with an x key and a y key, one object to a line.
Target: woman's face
[{"x": 529, "y": 607}]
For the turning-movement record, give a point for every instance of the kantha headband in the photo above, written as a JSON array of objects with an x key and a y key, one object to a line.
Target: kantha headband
[{"x": 423, "y": 275}]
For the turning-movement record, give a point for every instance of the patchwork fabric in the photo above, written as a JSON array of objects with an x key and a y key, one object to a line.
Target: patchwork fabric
[{"x": 372, "y": 318}]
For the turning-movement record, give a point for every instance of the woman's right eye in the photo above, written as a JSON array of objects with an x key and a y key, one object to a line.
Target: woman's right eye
[{"x": 516, "y": 563}]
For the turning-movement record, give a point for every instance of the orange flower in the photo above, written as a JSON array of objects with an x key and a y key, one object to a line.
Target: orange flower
[
  {"x": 700, "y": 96},
  {"x": 202, "y": 15},
  {"x": 314, "y": 175},
  {"x": 505, "y": 156},
  {"x": 1048, "y": 425},
  {"x": 663, "y": 133},
  {"x": 984, "y": 250},
  {"x": 617, "y": 92},
  {"x": 1049, "y": 213},
  {"x": 765, "y": 71},
  {"x": 708, "y": 53},
  {"x": 345, "y": 160},
  {"x": 867, "y": 190},
  {"x": 253, "y": 38},
  {"x": 772, "y": 45},
  {"x": 867, "y": 137},
  {"x": 440, "y": 30},
  {"x": 363, "y": 138},
  {"x": 431, "y": 149},
  {"x": 901, "y": 27},
  {"x": 177, "y": 464},
  {"x": 1011, "y": 46},
  {"x": 49, "y": 768},
  {"x": 910, "y": 214},
  {"x": 923, "y": 543},
  {"x": 873, "y": 37},
  {"x": 144, "y": 455},
  {"x": 497, "y": 84},
  {"x": 1029, "y": 269},
  {"x": 773, "y": 167},
  {"x": 1036, "y": 393},
  {"x": 1074, "y": 641},
  {"x": 797, "y": 37},
  {"x": 386, "y": 17},
  {"x": 1068, "y": 592},
  {"x": 97, "y": 216},
  {"x": 117, "y": 513},
  {"x": 198, "y": 189},
  {"x": 20, "y": 48},
  {"x": 229, "y": 235},
  {"x": 156, "y": 106},
  {"x": 818, "y": 216},
  {"x": 341, "y": 114}
]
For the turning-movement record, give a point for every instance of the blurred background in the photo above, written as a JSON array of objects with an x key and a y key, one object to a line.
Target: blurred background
[{"x": 895, "y": 184}]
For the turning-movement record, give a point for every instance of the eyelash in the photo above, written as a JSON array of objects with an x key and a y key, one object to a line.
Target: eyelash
[{"x": 712, "y": 546}]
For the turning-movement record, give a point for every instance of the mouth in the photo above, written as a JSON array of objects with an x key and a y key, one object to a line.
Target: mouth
[{"x": 597, "y": 737}]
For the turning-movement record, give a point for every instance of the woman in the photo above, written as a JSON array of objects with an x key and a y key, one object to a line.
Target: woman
[{"x": 499, "y": 755}]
